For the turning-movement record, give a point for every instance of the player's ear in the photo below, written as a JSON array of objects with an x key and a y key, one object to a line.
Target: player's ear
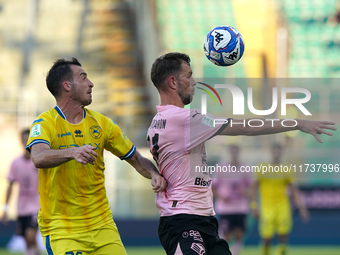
[
  {"x": 67, "y": 86},
  {"x": 172, "y": 82}
]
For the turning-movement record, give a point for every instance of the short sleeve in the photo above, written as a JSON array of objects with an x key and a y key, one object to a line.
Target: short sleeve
[
  {"x": 201, "y": 128},
  {"x": 40, "y": 132},
  {"x": 12, "y": 173},
  {"x": 118, "y": 143}
]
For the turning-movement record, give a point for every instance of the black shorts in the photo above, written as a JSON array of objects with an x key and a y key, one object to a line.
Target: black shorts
[
  {"x": 228, "y": 222},
  {"x": 25, "y": 222},
  {"x": 191, "y": 235}
]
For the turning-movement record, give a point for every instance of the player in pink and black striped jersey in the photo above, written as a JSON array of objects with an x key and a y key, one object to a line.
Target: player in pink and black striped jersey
[
  {"x": 231, "y": 192},
  {"x": 176, "y": 139},
  {"x": 24, "y": 173}
]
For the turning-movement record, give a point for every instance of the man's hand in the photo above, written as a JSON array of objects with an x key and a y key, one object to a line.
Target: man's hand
[
  {"x": 315, "y": 128},
  {"x": 158, "y": 182},
  {"x": 84, "y": 154},
  {"x": 148, "y": 170}
]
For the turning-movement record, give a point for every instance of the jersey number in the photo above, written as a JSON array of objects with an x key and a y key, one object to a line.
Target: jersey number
[
  {"x": 155, "y": 147},
  {"x": 72, "y": 253}
]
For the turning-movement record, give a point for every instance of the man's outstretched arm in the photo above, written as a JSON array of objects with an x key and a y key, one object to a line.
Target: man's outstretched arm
[{"x": 242, "y": 127}]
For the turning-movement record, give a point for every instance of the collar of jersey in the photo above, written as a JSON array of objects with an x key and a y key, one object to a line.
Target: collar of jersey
[{"x": 62, "y": 114}]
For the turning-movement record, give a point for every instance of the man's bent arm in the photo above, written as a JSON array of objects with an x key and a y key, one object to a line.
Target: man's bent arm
[
  {"x": 148, "y": 170},
  {"x": 45, "y": 157}
]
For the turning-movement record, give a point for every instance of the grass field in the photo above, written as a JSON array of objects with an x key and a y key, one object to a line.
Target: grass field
[{"x": 253, "y": 250}]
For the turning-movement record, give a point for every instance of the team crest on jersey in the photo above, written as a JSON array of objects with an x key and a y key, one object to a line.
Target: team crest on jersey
[
  {"x": 36, "y": 130},
  {"x": 96, "y": 131},
  {"x": 198, "y": 248}
]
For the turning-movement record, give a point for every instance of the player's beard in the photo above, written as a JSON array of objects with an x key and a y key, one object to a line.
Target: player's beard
[
  {"x": 83, "y": 100},
  {"x": 185, "y": 97}
]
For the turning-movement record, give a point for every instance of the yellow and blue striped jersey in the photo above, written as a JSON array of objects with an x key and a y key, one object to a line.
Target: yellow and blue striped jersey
[
  {"x": 273, "y": 188},
  {"x": 72, "y": 195}
]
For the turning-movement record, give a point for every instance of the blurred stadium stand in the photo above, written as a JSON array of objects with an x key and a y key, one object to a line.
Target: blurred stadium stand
[{"x": 101, "y": 34}]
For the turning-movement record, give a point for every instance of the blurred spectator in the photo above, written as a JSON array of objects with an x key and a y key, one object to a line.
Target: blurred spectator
[
  {"x": 25, "y": 174},
  {"x": 275, "y": 216},
  {"x": 231, "y": 191}
]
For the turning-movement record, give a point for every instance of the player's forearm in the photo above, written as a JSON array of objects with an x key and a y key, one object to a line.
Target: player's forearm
[
  {"x": 146, "y": 168},
  {"x": 297, "y": 198},
  {"x": 51, "y": 158},
  {"x": 9, "y": 192},
  {"x": 143, "y": 166},
  {"x": 251, "y": 127}
]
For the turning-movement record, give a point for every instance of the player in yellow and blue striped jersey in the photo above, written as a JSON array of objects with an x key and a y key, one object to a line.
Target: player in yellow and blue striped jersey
[
  {"x": 275, "y": 214},
  {"x": 67, "y": 144}
]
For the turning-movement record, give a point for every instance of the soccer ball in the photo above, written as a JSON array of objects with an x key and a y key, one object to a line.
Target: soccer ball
[{"x": 224, "y": 46}]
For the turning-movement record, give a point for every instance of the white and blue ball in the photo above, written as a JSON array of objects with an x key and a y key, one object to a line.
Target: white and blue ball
[{"x": 224, "y": 46}]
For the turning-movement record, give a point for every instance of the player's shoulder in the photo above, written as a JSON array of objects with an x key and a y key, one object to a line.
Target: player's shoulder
[
  {"x": 171, "y": 110},
  {"x": 104, "y": 123},
  {"x": 101, "y": 118},
  {"x": 47, "y": 116},
  {"x": 92, "y": 113},
  {"x": 171, "y": 115}
]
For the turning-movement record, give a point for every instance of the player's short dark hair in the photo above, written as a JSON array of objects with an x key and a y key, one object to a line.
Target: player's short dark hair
[
  {"x": 60, "y": 71},
  {"x": 167, "y": 65}
]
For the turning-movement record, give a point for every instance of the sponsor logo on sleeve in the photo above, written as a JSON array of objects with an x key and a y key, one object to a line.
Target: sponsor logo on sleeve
[
  {"x": 36, "y": 130},
  {"x": 210, "y": 122},
  {"x": 124, "y": 135}
]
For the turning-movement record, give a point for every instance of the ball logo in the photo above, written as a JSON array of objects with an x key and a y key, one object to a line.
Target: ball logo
[
  {"x": 230, "y": 57},
  {"x": 96, "y": 132},
  {"x": 215, "y": 55},
  {"x": 206, "y": 48},
  {"x": 223, "y": 46},
  {"x": 221, "y": 38}
]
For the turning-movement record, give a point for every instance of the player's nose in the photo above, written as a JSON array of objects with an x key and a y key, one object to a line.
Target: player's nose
[
  {"x": 193, "y": 81},
  {"x": 91, "y": 84}
]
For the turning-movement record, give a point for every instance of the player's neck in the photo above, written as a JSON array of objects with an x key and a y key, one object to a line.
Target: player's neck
[
  {"x": 74, "y": 112},
  {"x": 171, "y": 99}
]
